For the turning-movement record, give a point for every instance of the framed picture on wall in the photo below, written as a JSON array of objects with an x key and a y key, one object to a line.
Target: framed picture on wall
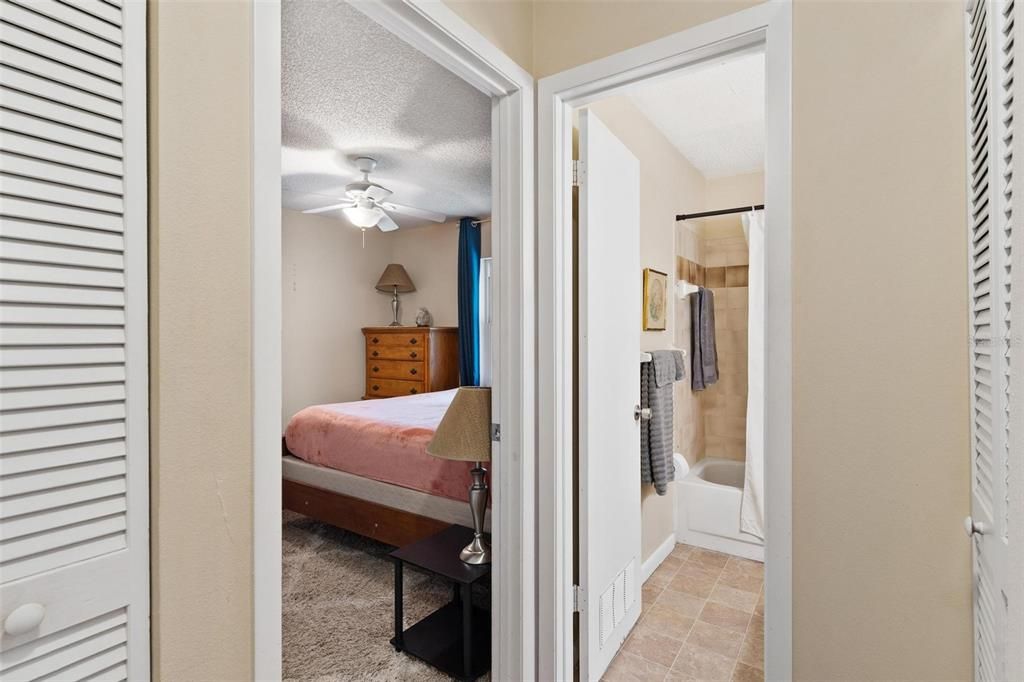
[{"x": 655, "y": 300}]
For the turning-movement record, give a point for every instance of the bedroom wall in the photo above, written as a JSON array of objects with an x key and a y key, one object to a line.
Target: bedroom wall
[
  {"x": 328, "y": 296},
  {"x": 667, "y": 184}
]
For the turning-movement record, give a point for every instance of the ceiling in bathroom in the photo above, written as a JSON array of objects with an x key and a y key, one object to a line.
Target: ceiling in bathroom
[
  {"x": 712, "y": 113},
  {"x": 351, "y": 88}
]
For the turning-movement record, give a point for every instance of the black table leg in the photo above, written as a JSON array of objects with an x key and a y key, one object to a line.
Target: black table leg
[
  {"x": 399, "y": 620},
  {"x": 467, "y": 632}
]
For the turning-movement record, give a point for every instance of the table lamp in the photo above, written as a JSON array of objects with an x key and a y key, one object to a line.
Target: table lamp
[
  {"x": 465, "y": 434},
  {"x": 396, "y": 280}
]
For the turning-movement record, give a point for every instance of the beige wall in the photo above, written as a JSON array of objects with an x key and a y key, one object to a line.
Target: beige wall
[
  {"x": 200, "y": 325},
  {"x": 506, "y": 23},
  {"x": 328, "y": 296},
  {"x": 667, "y": 183},
  {"x": 880, "y": 430}
]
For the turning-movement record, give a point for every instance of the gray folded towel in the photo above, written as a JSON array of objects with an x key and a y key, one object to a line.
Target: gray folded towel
[{"x": 656, "y": 378}]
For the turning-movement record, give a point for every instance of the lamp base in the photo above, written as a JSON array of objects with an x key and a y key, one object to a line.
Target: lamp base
[{"x": 477, "y": 552}]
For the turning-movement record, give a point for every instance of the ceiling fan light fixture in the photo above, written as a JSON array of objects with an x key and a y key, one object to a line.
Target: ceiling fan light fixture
[{"x": 363, "y": 216}]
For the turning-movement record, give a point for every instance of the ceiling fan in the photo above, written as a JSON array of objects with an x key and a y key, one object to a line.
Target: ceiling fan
[{"x": 365, "y": 206}]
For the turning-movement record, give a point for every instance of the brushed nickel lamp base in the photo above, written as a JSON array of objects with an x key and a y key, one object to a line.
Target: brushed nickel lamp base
[
  {"x": 478, "y": 551},
  {"x": 394, "y": 309}
]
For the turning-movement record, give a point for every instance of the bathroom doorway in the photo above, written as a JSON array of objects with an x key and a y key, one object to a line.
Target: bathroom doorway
[{"x": 622, "y": 118}]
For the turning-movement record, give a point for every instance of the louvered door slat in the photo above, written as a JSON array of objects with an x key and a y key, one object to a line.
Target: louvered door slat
[
  {"x": 73, "y": 346},
  {"x": 36, "y": 460},
  {"x": 58, "y": 154},
  {"x": 76, "y": 36},
  {"x": 17, "y": 165},
  {"x": 27, "y": 83},
  {"x": 60, "y": 73},
  {"x": 49, "y": 46}
]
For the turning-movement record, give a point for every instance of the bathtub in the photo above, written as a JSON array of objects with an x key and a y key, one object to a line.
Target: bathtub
[{"x": 708, "y": 501}]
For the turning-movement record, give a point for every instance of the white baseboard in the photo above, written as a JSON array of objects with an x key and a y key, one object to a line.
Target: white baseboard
[
  {"x": 746, "y": 550},
  {"x": 652, "y": 562}
]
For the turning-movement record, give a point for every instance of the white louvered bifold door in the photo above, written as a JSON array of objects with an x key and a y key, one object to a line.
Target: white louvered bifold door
[
  {"x": 993, "y": 33},
  {"x": 74, "y": 492}
]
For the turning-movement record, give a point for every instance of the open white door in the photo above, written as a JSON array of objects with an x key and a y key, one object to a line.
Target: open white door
[
  {"x": 997, "y": 381},
  {"x": 74, "y": 502},
  {"x": 609, "y": 390}
]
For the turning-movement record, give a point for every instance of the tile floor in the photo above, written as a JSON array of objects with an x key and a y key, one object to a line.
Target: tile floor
[{"x": 702, "y": 619}]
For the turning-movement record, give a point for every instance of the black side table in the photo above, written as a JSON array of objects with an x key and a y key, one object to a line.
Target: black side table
[{"x": 457, "y": 637}]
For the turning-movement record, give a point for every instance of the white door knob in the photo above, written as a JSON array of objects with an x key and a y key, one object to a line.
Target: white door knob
[
  {"x": 972, "y": 527},
  {"x": 25, "y": 618}
]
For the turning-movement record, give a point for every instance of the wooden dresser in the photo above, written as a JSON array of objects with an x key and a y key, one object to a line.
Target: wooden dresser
[{"x": 410, "y": 360}]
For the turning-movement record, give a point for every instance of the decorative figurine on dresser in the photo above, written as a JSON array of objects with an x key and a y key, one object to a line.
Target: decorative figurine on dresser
[{"x": 410, "y": 360}]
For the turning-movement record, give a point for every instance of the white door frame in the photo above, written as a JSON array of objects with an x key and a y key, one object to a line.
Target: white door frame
[
  {"x": 768, "y": 24},
  {"x": 435, "y": 30}
]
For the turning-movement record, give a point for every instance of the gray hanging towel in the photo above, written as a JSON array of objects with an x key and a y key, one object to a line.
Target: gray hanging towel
[
  {"x": 704, "y": 369},
  {"x": 656, "y": 379}
]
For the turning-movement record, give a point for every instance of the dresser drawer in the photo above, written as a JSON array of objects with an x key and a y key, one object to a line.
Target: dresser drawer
[
  {"x": 404, "y": 339},
  {"x": 395, "y": 369},
  {"x": 412, "y": 353},
  {"x": 390, "y": 388}
]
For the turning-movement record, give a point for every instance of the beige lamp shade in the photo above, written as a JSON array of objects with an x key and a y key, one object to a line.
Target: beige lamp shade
[
  {"x": 395, "y": 276},
  {"x": 465, "y": 429}
]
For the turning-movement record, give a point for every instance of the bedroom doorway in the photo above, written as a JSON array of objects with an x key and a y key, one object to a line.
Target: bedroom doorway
[
  {"x": 290, "y": 247},
  {"x": 584, "y": 620}
]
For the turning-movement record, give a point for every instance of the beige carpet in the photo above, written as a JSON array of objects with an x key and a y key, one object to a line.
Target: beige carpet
[{"x": 338, "y": 606}]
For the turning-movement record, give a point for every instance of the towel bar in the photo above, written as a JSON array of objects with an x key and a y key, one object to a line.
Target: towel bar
[{"x": 647, "y": 357}]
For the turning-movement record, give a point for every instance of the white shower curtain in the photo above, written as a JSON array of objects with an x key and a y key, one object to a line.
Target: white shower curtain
[{"x": 752, "y": 509}]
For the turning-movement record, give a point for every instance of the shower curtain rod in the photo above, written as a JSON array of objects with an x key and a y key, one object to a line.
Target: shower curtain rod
[{"x": 722, "y": 211}]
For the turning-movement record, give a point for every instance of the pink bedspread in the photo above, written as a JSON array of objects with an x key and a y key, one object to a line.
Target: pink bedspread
[{"x": 384, "y": 440}]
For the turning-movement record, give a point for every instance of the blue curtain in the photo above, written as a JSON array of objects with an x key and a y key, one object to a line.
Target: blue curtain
[{"x": 469, "y": 302}]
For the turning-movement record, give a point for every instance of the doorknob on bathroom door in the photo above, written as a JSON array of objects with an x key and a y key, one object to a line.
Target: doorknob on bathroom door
[
  {"x": 641, "y": 413},
  {"x": 972, "y": 527}
]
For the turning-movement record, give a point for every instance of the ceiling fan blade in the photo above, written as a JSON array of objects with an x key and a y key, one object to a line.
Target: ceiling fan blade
[
  {"x": 377, "y": 193},
  {"x": 386, "y": 224},
  {"x": 323, "y": 209},
  {"x": 416, "y": 212}
]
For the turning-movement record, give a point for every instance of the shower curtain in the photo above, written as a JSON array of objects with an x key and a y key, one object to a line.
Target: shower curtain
[{"x": 752, "y": 509}]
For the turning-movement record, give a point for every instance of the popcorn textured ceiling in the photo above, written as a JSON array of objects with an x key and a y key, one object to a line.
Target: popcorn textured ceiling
[
  {"x": 713, "y": 114},
  {"x": 350, "y": 88}
]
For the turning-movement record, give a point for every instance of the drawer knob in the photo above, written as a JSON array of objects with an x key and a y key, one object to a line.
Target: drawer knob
[
  {"x": 375, "y": 340},
  {"x": 376, "y": 369},
  {"x": 375, "y": 387},
  {"x": 412, "y": 341},
  {"x": 413, "y": 390},
  {"x": 375, "y": 354},
  {"x": 412, "y": 371},
  {"x": 413, "y": 354}
]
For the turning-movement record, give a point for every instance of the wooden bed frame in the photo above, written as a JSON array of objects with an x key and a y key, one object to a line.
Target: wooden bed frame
[{"x": 370, "y": 519}]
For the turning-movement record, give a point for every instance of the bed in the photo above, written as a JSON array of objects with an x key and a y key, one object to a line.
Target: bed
[{"x": 363, "y": 466}]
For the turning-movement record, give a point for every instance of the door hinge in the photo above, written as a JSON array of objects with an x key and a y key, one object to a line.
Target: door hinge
[
  {"x": 575, "y": 172},
  {"x": 577, "y": 599},
  {"x": 496, "y": 433}
]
